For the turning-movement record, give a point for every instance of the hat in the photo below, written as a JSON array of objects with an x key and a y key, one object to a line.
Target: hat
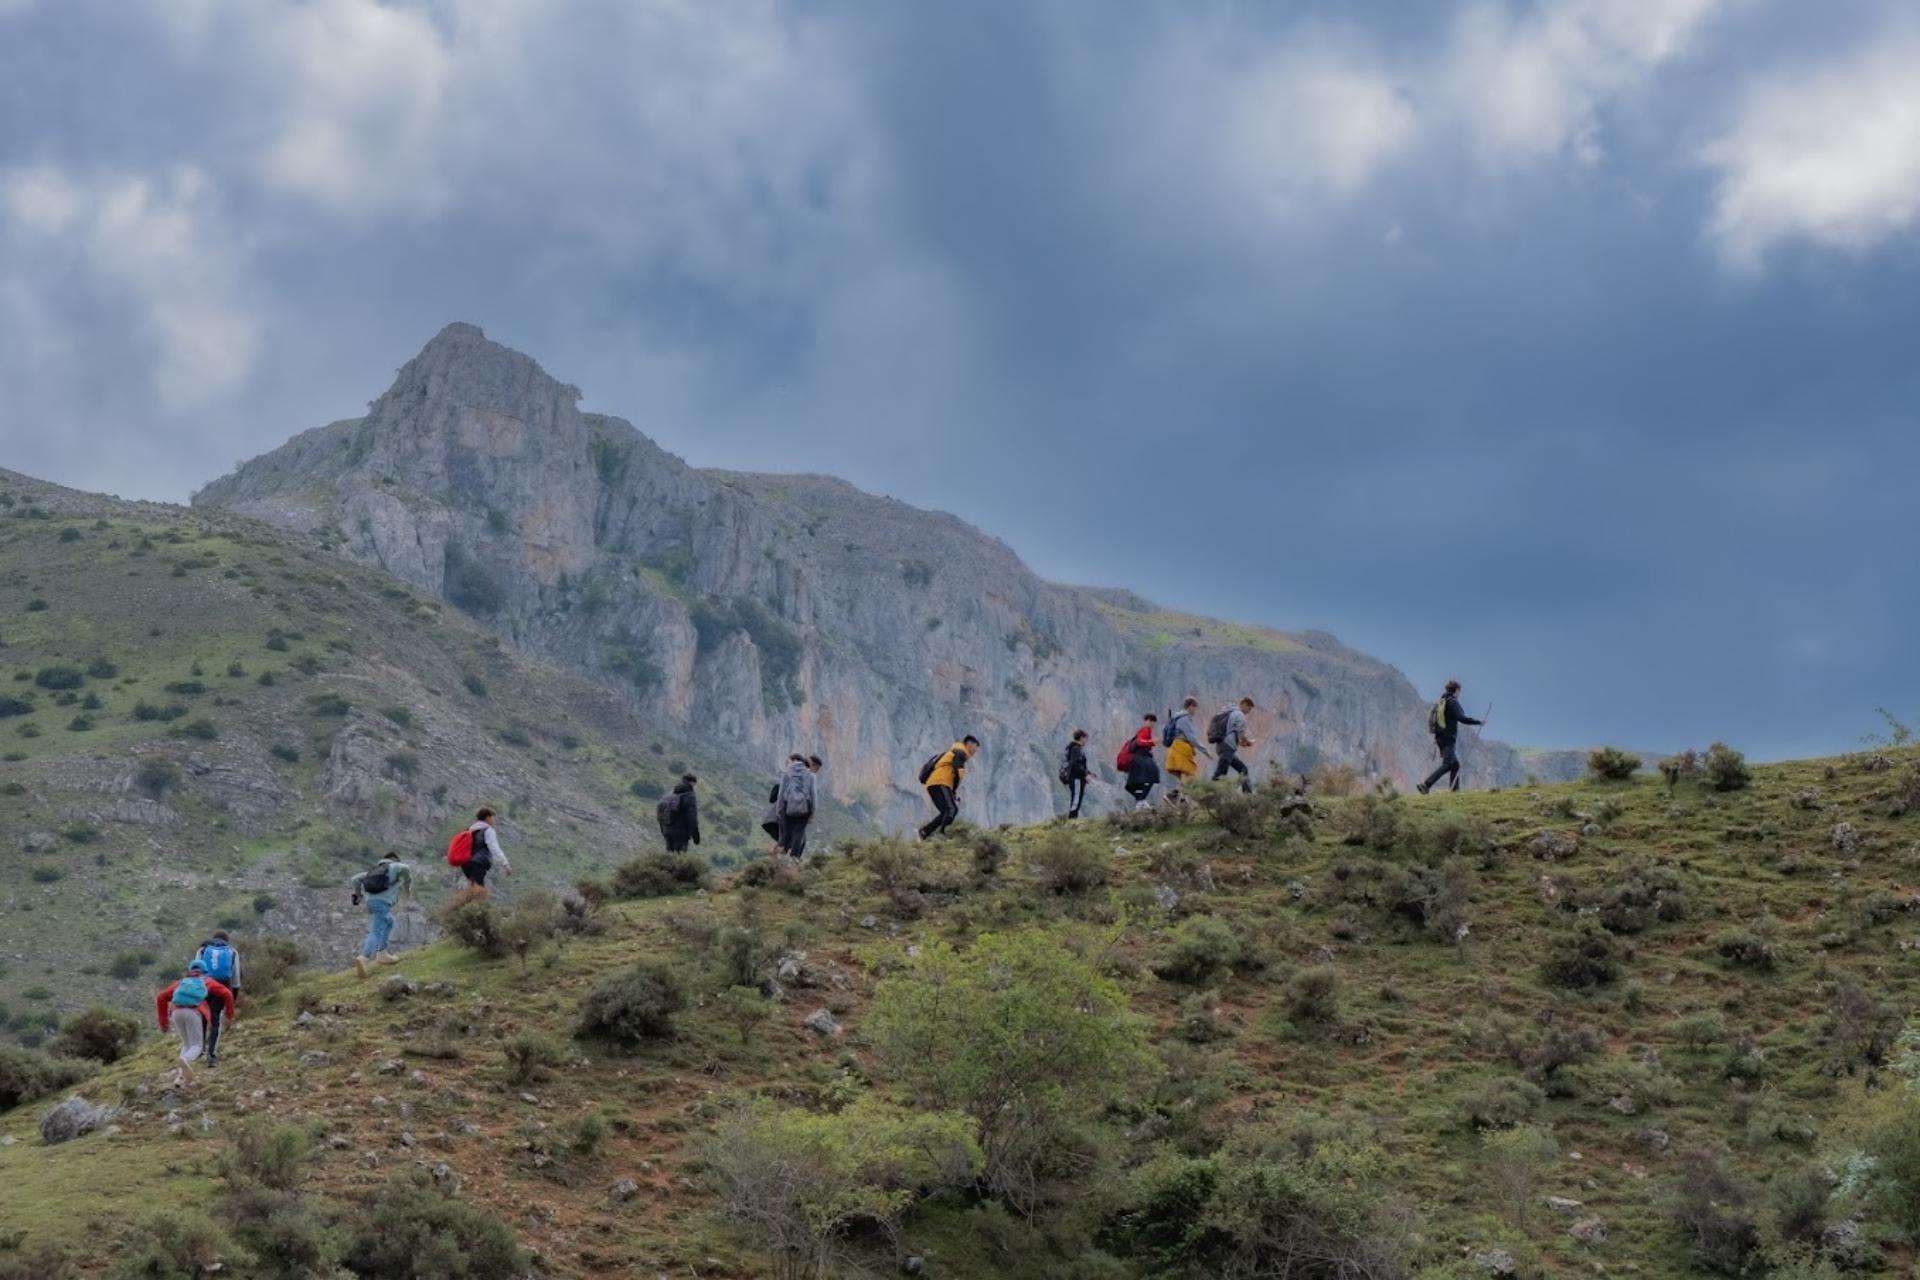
[{"x": 194, "y": 966}]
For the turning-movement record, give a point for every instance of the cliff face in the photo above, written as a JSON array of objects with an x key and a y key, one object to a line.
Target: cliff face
[{"x": 761, "y": 614}]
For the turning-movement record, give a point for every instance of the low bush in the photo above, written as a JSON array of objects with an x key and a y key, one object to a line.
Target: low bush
[
  {"x": 1582, "y": 957},
  {"x": 1201, "y": 948},
  {"x": 891, "y": 861},
  {"x": 128, "y": 964},
  {"x": 1067, "y": 862},
  {"x": 179, "y": 1244},
  {"x": 274, "y": 1156},
  {"x": 1726, "y": 768},
  {"x": 27, "y": 1075},
  {"x": 633, "y": 1006},
  {"x": 1502, "y": 1103},
  {"x": 1313, "y": 995},
  {"x": 408, "y": 1230},
  {"x": 59, "y": 677},
  {"x": 1710, "y": 1208},
  {"x": 267, "y": 962},
  {"x": 530, "y": 1059},
  {"x": 1756, "y": 947},
  {"x": 472, "y": 922},
  {"x": 155, "y": 775},
  {"x": 1610, "y": 764},
  {"x": 103, "y": 1035},
  {"x": 659, "y": 875}
]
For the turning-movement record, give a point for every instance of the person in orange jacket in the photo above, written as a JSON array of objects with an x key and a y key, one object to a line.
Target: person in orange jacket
[{"x": 183, "y": 1006}]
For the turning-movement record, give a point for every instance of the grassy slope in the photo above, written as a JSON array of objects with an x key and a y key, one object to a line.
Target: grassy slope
[
  {"x": 162, "y": 593},
  {"x": 1406, "y": 1047}
]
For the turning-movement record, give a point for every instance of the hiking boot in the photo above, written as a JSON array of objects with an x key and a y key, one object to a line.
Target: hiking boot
[
  {"x": 1421, "y": 787},
  {"x": 387, "y": 957},
  {"x": 360, "y": 966}
]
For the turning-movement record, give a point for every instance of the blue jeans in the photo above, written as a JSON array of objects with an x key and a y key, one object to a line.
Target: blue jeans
[{"x": 379, "y": 927}]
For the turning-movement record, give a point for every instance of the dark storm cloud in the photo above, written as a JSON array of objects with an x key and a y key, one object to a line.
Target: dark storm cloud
[{"x": 1504, "y": 340}]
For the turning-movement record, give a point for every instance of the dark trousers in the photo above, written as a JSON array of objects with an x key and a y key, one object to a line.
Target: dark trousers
[
  {"x": 1449, "y": 764},
  {"x": 1076, "y": 796},
  {"x": 678, "y": 844},
  {"x": 1140, "y": 791},
  {"x": 1230, "y": 759},
  {"x": 218, "y": 1009},
  {"x": 793, "y": 833},
  {"x": 475, "y": 870},
  {"x": 949, "y": 807}
]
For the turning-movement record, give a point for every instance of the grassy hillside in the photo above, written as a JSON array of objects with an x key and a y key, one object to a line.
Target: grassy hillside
[
  {"x": 205, "y": 721},
  {"x": 1394, "y": 1026}
]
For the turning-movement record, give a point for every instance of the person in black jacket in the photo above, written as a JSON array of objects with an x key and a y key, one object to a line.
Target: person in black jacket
[
  {"x": 683, "y": 823},
  {"x": 1143, "y": 774},
  {"x": 1445, "y": 721},
  {"x": 1074, "y": 772}
]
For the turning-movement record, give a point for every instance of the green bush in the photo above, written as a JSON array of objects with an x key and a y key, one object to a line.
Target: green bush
[
  {"x": 128, "y": 964},
  {"x": 27, "y": 1075},
  {"x": 530, "y": 1059},
  {"x": 1313, "y": 995},
  {"x": 59, "y": 677},
  {"x": 407, "y": 1230},
  {"x": 1018, "y": 1032},
  {"x": 45, "y": 873},
  {"x": 201, "y": 730},
  {"x": 475, "y": 925},
  {"x": 890, "y": 860},
  {"x": 155, "y": 775},
  {"x": 1582, "y": 957},
  {"x": 474, "y": 685},
  {"x": 633, "y": 1006},
  {"x": 267, "y": 962},
  {"x": 1502, "y": 1103},
  {"x": 659, "y": 875},
  {"x": 1610, "y": 764},
  {"x": 1726, "y": 768},
  {"x": 80, "y": 832},
  {"x": 1067, "y": 862},
  {"x": 178, "y": 1244},
  {"x": 103, "y": 1035},
  {"x": 285, "y": 751},
  {"x": 1201, "y": 948},
  {"x": 1756, "y": 947},
  {"x": 274, "y": 1156}
]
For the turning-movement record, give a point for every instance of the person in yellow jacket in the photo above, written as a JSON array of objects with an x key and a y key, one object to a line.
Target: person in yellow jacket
[
  {"x": 1183, "y": 763},
  {"x": 943, "y": 784}
]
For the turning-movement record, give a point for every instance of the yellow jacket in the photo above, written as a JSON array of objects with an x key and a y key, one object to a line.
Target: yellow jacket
[
  {"x": 951, "y": 768},
  {"x": 1181, "y": 760}
]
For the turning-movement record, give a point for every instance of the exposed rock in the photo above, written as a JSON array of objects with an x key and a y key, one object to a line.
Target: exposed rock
[
  {"x": 1551, "y": 846},
  {"x": 1165, "y": 897},
  {"x": 1496, "y": 1262},
  {"x": 1589, "y": 1231},
  {"x": 1843, "y": 837},
  {"x": 822, "y": 1021},
  {"x": 1561, "y": 1204},
  {"x": 398, "y": 988},
  {"x": 40, "y": 842},
  {"x": 74, "y": 1118},
  {"x": 625, "y": 1190}
]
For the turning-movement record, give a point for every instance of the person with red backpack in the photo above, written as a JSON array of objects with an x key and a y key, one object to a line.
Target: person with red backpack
[
  {"x": 476, "y": 850},
  {"x": 678, "y": 814},
  {"x": 1143, "y": 772},
  {"x": 182, "y": 1007}
]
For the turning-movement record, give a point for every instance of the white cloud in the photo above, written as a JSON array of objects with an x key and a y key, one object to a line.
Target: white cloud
[
  {"x": 152, "y": 246},
  {"x": 1828, "y": 156},
  {"x": 1527, "y": 86}
]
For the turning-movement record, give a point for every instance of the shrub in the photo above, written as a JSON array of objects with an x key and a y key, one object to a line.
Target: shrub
[
  {"x": 288, "y": 1235},
  {"x": 59, "y": 677},
  {"x": 179, "y": 1244},
  {"x": 80, "y": 724},
  {"x": 1201, "y": 948},
  {"x": 1502, "y": 1103},
  {"x": 659, "y": 875},
  {"x": 269, "y": 1155},
  {"x": 285, "y": 751},
  {"x": 1067, "y": 862},
  {"x": 990, "y": 853},
  {"x": 155, "y": 775},
  {"x": 532, "y": 920},
  {"x": 1709, "y": 1209},
  {"x": 407, "y": 1230},
  {"x": 1313, "y": 995},
  {"x": 1374, "y": 821},
  {"x": 797, "y": 1181},
  {"x": 1019, "y": 1033},
  {"x": 1684, "y": 767},
  {"x": 202, "y": 730},
  {"x": 11, "y": 706},
  {"x": 128, "y": 964},
  {"x": 474, "y": 685},
  {"x": 404, "y": 765},
  {"x": 80, "y": 833},
  {"x": 267, "y": 962},
  {"x": 27, "y": 1075},
  {"x": 530, "y": 1059},
  {"x": 101, "y": 669},
  {"x": 45, "y": 873},
  {"x": 1580, "y": 958},
  {"x": 1726, "y": 768},
  {"x": 633, "y": 1006},
  {"x": 1755, "y": 947},
  {"x": 471, "y": 922},
  {"x": 1515, "y": 1160},
  {"x": 104, "y": 1035},
  {"x": 1700, "y": 1031},
  {"x": 1610, "y": 764},
  {"x": 399, "y": 715},
  {"x": 328, "y": 704},
  {"x": 891, "y": 861}
]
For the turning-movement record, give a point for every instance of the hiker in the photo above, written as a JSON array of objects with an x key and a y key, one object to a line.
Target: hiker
[
  {"x": 182, "y": 1007},
  {"x": 793, "y": 806},
  {"x": 1074, "y": 771},
  {"x": 1149, "y": 729},
  {"x": 1444, "y": 721},
  {"x": 942, "y": 776},
  {"x": 1227, "y": 731},
  {"x": 1183, "y": 747},
  {"x": 678, "y": 814},
  {"x": 485, "y": 851},
  {"x": 219, "y": 961},
  {"x": 1143, "y": 774},
  {"x": 379, "y": 887}
]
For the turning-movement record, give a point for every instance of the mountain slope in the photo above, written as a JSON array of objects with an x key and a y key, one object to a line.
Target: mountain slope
[
  {"x": 202, "y": 719},
  {"x": 760, "y": 613},
  {"x": 1751, "y": 972}
]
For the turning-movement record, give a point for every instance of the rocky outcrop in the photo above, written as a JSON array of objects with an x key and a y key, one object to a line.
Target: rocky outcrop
[{"x": 758, "y": 613}]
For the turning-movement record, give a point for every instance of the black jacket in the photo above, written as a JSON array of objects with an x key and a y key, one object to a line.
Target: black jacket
[
  {"x": 1144, "y": 772},
  {"x": 1076, "y": 761},
  {"x": 685, "y": 823},
  {"x": 1455, "y": 717}
]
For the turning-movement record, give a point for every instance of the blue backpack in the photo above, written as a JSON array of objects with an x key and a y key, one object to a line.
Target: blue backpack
[
  {"x": 191, "y": 993},
  {"x": 1170, "y": 728},
  {"x": 217, "y": 959}
]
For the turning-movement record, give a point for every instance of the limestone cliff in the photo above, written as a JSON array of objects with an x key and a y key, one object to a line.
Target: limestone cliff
[{"x": 760, "y": 613}]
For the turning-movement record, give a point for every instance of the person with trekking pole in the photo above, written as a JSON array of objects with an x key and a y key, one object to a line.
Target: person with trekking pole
[{"x": 1444, "y": 719}]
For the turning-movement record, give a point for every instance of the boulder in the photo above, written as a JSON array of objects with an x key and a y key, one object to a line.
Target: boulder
[
  {"x": 824, "y": 1022},
  {"x": 74, "y": 1118},
  {"x": 1589, "y": 1231}
]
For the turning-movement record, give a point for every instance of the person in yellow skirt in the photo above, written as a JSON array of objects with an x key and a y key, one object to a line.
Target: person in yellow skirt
[{"x": 1183, "y": 750}]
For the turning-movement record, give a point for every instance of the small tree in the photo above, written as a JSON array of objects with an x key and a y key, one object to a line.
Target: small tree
[
  {"x": 104, "y": 1035},
  {"x": 1610, "y": 764},
  {"x": 634, "y": 1006},
  {"x": 155, "y": 775},
  {"x": 1067, "y": 862},
  {"x": 1019, "y": 1033},
  {"x": 1726, "y": 768},
  {"x": 797, "y": 1181}
]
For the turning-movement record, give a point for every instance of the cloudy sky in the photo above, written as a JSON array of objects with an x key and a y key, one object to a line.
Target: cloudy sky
[{"x": 1568, "y": 346}]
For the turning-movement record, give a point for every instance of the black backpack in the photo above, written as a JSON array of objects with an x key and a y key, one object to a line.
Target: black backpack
[
  {"x": 1167, "y": 730},
  {"x": 1217, "y": 727},
  {"x": 926, "y": 770},
  {"x": 377, "y": 880},
  {"x": 1066, "y": 767},
  {"x": 667, "y": 810}
]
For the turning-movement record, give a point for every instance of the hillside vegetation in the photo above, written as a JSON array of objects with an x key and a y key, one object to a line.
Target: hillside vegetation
[{"x": 1631, "y": 1028}]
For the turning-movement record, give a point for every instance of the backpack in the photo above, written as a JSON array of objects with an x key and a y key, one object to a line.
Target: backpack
[
  {"x": 933, "y": 762},
  {"x": 1168, "y": 730},
  {"x": 1066, "y": 767},
  {"x": 794, "y": 800},
  {"x": 667, "y": 810},
  {"x": 1437, "y": 718},
  {"x": 377, "y": 881},
  {"x": 1217, "y": 727},
  {"x": 216, "y": 958},
  {"x": 1124, "y": 761},
  {"x": 190, "y": 993},
  {"x": 460, "y": 849}
]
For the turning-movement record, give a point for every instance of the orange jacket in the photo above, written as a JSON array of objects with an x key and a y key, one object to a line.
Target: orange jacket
[{"x": 163, "y": 1003}]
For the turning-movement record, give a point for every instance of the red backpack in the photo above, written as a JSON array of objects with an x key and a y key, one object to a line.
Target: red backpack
[
  {"x": 460, "y": 851},
  {"x": 1124, "y": 761}
]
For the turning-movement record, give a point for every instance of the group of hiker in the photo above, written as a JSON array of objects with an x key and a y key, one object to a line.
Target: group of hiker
[
  {"x": 1226, "y": 737},
  {"x": 194, "y": 1005}
]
